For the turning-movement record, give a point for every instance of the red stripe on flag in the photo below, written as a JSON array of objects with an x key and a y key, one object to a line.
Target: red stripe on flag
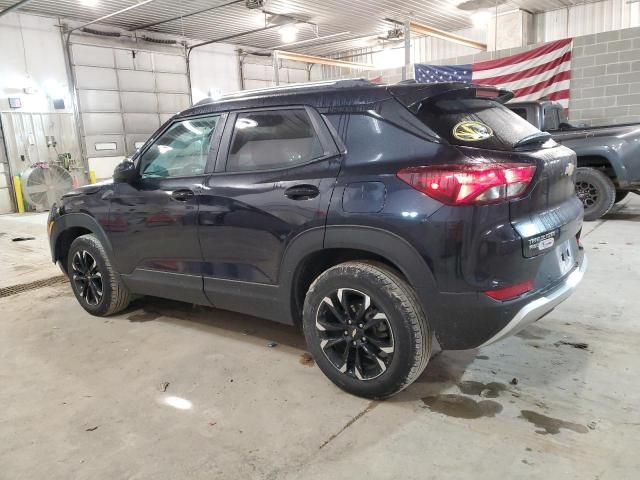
[
  {"x": 520, "y": 57},
  {"x": 530, "y": 72},
  {"x": 539, "y": 86},
  {"x": 559, "y": 95}
]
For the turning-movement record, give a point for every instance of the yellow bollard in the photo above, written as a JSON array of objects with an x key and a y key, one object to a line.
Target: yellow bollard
[
  {"x": 17, "y": 187},
  {"x": 92, "y": 176}
]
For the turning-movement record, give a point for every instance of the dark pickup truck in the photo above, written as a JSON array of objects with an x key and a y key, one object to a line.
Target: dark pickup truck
[{"x": 608, "y": 156}]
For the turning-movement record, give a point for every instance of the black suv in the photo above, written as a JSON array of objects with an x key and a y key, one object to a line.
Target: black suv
[{"x": 380, "y": 218}]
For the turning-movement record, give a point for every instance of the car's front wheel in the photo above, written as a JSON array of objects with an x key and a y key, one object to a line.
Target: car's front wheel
[
  {"x": 95, "y": 283},
  {"x": 366, "y": 329}
]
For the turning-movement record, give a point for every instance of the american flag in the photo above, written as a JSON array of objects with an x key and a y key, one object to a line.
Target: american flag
[{"x": 544, "y": 71}]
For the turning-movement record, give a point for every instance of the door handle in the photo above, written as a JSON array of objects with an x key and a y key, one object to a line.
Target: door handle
[
  {"x": 182, "y": 195},
  {"x": 302, "y": 192}
]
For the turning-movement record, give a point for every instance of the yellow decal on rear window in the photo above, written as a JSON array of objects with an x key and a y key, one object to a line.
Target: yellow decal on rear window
[{"x": 472, "y": 131}]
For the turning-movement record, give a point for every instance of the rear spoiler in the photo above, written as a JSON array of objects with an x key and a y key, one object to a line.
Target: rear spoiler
[{"x": 414, "y": 96}]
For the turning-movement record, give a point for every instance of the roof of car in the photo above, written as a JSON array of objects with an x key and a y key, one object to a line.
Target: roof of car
[{"x": 333, "y": 94}]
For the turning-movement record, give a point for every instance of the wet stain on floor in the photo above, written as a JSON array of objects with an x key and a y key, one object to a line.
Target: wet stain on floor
[
  {"x": 549, "y": 425},
  {"x": 306, "y": 360},
  {"x": 461, "y": 407},
  {"x": 482, "y": 357},
  {"x": 487, "y": 390},
  {"x": 144, "y": 316},
  {"x": 533, "y": 333}
]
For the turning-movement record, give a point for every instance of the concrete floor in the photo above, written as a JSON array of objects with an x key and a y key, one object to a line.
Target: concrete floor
[{"x": 167, "y": 391}]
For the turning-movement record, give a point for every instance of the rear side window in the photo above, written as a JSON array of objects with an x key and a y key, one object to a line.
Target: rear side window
[
  {"x": 551, "y": 119},
  {"x": 506, "y": 127},
  {"x": 521, "y": 112},
  {"x": 272, "y": 139}
]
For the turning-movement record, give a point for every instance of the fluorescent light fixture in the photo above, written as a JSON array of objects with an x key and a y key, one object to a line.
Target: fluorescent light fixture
[
  {"x": 164, "y": 148},
  {"x": 288, "y": 33},
  {"x": 481, "y": 18}
]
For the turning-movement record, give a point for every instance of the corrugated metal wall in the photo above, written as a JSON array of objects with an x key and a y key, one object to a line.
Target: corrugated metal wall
[
  {"x": 258, "y": 72},
  {"x": 586, "y": 19}
]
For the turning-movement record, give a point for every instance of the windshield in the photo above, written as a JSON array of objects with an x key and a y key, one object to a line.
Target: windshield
[{"x": 476, "y": 122}]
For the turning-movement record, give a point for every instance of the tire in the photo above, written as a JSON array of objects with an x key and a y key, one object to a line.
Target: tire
[
  {"x": 395, "y": 348},
  {"x": 94, "y": 282},
  {"x": 596, "y": 191},
  {"x": 620, "y": 195}
]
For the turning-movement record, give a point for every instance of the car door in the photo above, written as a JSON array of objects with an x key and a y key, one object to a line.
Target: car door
[
  {"x": 153, "y": 222},
  {"x": 273, "y": 181}
]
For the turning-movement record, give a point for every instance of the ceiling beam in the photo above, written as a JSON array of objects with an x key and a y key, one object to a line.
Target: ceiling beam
[
  {"x": 300, "y": 57},
  {"x": 451, "y": 37},
  {"x": 105, "y": 17},
  {"x": 160, "y": 22},
  {"x": 13, "y": 7},
  {"x": 235, "y": 35}
]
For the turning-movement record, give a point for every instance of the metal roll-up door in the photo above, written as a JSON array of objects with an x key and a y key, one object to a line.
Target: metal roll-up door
[{"x": 124, "y": 95}]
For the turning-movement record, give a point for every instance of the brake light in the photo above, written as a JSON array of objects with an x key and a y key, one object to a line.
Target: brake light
[
  {"x": 470, "y": 183},
  {"x": 513, "y": 291}
]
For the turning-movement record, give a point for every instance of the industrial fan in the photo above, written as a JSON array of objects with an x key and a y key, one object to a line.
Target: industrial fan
[{"x": 43, "y": 185}]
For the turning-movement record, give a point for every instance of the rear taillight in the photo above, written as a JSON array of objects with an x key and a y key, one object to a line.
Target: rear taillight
[
  {"x": 513, "y": 291},
  {"x": 470, "y": 183}
]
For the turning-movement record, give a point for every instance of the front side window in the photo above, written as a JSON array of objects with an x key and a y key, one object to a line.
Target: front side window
[
  {"x": 272, "y": 139},
  {"x": 551, "y": 119},
  {"x": 180, "y": 151}
]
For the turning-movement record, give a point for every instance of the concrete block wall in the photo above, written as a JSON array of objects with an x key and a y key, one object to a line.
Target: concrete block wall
[{"x": 605, "y": 78}]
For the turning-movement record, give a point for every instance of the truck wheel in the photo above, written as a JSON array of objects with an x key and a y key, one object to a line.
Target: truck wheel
[
  {"x": 366, "y": 329},
  {"x": 621, "y": 195},
  {"x": 596, "y": 191},
  {"x": 95, "y": 283}
]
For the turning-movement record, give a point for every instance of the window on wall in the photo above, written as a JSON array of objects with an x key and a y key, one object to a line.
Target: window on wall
[
  {"x": 272, "y": 139},
  {"x": 180, "y": 151}
]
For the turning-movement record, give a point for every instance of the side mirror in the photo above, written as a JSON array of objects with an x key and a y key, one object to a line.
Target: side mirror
[{"x": 125, "y": 172}]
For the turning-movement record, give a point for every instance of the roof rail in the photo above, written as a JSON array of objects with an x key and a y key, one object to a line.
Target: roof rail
[{"x": 343, "y": 83}]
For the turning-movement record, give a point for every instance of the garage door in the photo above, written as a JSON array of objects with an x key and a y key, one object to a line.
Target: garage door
[{"x": 124, "y": 95}]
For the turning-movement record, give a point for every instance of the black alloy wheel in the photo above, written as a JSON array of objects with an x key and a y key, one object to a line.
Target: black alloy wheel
[
  {"x": 355, "y": 334},
  {"x": 86, "y": 277}
]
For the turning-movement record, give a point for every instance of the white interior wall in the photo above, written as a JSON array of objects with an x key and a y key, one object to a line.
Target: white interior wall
[
  {"x": 586, "y": 19},
  {"x": 214, "y": 70},
  {"x": 258, "y": 72},
  {"x": 31, "y": 58}
]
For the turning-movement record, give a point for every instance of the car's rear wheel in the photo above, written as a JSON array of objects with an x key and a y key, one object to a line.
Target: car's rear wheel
[
  {"x": 366, "y": 329},
  {"x": 596, "y": 191},
  {"x": 96, "y": 285}
]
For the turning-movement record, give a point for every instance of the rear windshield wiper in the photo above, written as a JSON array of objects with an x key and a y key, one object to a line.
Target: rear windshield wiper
[{"x": 533, "y": 139}]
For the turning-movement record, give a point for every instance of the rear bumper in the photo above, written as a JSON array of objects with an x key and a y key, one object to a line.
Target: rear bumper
[{"x": 538, "y": 308}]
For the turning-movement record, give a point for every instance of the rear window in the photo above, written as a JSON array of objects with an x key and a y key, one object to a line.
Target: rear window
[{"x": 471, "y": 115}]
